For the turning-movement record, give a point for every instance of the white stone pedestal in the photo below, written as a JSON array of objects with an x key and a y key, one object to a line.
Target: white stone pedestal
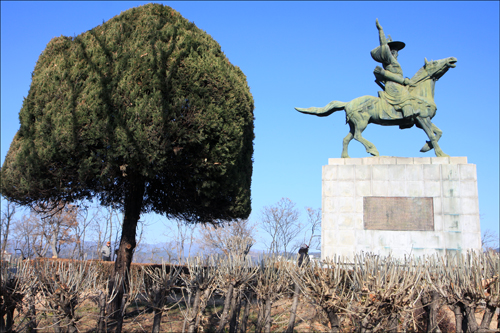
[{"x": 399, "y": 206}]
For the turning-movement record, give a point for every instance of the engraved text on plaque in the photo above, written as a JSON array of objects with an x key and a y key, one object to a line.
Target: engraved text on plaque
[{"x": 398, "y": 213}]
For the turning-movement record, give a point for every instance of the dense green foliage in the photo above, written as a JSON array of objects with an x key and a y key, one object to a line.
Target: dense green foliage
[{"x": 145, "y": 97}]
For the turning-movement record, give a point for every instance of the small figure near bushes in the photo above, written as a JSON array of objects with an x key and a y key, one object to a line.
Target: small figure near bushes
[
  {"x": 106, "y": 251},
  {"x": 303, "y": 255}
]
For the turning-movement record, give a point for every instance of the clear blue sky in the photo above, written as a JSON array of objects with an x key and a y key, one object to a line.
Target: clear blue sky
[{"x": 301, "y": 54}]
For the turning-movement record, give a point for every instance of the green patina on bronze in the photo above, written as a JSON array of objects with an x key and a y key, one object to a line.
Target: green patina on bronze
[{"x": 404, "y": 102}]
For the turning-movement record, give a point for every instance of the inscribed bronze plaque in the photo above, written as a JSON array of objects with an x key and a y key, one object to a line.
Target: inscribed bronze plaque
[{"x": 398, "y": 213}]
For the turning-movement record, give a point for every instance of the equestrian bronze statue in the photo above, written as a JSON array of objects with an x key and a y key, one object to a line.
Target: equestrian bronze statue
[{"x": 404, "y": 102}]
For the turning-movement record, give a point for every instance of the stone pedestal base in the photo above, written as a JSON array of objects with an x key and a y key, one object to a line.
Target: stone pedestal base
[{"x": 399, "y": 206}]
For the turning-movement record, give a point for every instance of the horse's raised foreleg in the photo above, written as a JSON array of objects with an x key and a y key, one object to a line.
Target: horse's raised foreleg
[
  {"x": 347, "y": 139},
  {"x": 429, "y": 130},
  {"x": 360, "y": 124},
  {"x": 428, "y": 145}
]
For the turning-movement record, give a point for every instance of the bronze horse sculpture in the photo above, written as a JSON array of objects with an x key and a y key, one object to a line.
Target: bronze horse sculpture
[{"x": 364, "y": 110}]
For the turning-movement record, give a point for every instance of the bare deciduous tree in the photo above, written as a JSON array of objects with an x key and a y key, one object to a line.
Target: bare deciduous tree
[
  {"x": 182, "y": 237},
  {"x": 28, "y": 238},
  {"x": 312, "y": 236},
  {"x": 386, "y": 290},
  {"x": 86, "y": 217},
  {"x": 158, "y": 284},
  {"x": 64, "y": 286},
  {"x": 57, "y": 228},
  {"x": 489, "y": 241},
  {"x": 234, "y": 238},
  {"x": 465, "y": 281},
  {"x": 328, "y": 287},
  {"x": 6, "y": 221},
  {"x": 491, "y": 287},
  {"x": 107, "y": 224},
  {"x": 16, "y": 283},
  {"x": 198, "y": 286},
  {"x": 311, "y": 239},
  {"x": 38, "y": 234},
  {"x": 115, "y": 285},
  {"x": 281, "y": 222},
  {"x": 270, "y": 284},
  {"x": 234, "y": 273}
]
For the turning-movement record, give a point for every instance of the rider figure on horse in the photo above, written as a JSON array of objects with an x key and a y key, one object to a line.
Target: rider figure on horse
[{"x": 395, "y": 91}]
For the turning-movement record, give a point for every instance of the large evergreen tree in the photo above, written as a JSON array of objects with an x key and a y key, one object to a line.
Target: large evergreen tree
[{"x": 143, "y": 112}]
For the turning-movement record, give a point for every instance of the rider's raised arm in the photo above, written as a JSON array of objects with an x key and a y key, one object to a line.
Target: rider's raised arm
[
  {"x": 382, "y": 53},
  {"x": 383, "y": 40}
]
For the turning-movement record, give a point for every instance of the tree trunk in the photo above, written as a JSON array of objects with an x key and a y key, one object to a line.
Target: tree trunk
[
  {"x": 132, "y": 212},
  {"x": 470, "y": 318},
  {"x": 246, "y": 313},
  {"x": 70, "y": 315},
  {"x": 159, "y": 301},
  {"x": 334, "y": 320},
  {"x": 157, "y": 314},
  {"x": 431, "y": 307},
  {"x": 235, "y": 311},
  {"x": 239, "y": 303},
  {"x": 203, "y": 305},
  {"x": 8, "y": 214},
  {"x": 31, "y": 316},
  {"x": 458, "y": 317},
  {"x": 9, "y": 322},
  {"x": 194, "y": 312},
  {"x": 227, "y": 305},
  {"x": 101, "y": 324},
  {"x": 267, "y": 315},
  {"x": 261, "y": 317},
  {"x": 293, "y": 310},
  {"x": 72, "y": 327},
  {"x": 5, "y": 235},
  {"x": 56, "y": 322},
  {"x": 393, "y": 323},
  {"x": 10, "y": 319},
  {"x": 489, "y": 312},
  {"x": 184, "y": 324},
  {"x": 364, "y": 325},
  {"x": 121, "y": 314}
]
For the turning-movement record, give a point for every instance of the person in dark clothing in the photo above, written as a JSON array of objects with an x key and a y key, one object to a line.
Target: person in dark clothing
[
  {"x": 303, "y": 255},
  {"x": 106, "y": 252}
]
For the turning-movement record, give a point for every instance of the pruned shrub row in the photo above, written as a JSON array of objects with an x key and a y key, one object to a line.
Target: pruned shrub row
[{"x": 368, "y": 294}]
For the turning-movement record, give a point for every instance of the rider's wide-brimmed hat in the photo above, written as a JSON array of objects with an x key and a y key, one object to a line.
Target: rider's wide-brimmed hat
[
  {"x": 396, "y": 45},
  {"x": 393, "y": 45}
]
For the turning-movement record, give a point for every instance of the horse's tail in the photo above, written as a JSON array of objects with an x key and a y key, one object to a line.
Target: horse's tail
[{"x": 324, "y": 111}]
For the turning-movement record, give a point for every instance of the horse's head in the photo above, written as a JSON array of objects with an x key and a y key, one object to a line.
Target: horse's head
[
  {"x": 437, "y": 68},
  {"x": 422, "y": 83}
]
